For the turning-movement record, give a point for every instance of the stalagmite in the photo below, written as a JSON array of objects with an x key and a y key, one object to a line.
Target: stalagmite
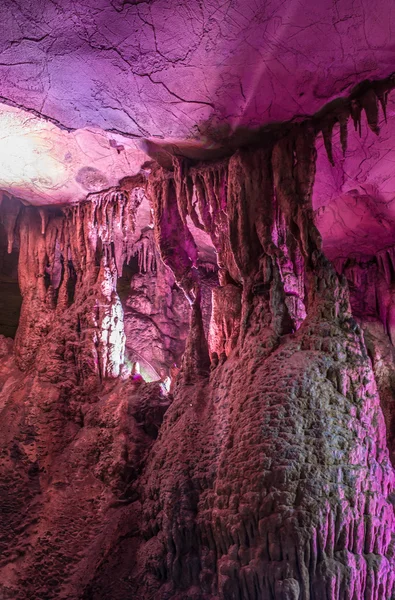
[
  {"x": 262, "y": 526},
  {"x": 196, "y": 361}
]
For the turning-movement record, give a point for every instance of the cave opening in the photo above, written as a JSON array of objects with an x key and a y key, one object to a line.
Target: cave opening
[
  {"x": 10, "y": 294},
  {"x": 156, "y": 310}
]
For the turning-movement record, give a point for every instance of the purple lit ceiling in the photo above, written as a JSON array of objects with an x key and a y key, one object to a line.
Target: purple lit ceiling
[
  {"x": 88, "y": 86},
  {"x": 160, "y": 68}
]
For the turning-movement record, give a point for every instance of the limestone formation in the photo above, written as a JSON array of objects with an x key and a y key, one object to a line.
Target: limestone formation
[
  {"x": 271, "y": 475},
  {"x": 197, "y": 301}
]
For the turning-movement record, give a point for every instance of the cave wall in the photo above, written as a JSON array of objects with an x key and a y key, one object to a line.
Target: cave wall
[
  {"x": 371, "y": 283},
  {"x": 266, "y": 472}
]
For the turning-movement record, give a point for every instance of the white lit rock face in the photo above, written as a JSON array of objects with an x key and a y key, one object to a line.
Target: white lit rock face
[
  {"x": 49, "y": 165},
  {"x": 144, "y": 220}
]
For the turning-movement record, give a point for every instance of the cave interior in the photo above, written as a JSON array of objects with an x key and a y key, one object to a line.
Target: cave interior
[{"x": 197, "y": 300}]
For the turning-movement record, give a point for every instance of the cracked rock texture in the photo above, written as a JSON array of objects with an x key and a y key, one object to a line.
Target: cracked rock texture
[
  {"x": 157, "y": 68},
  {"x": 88, "y": 87}
]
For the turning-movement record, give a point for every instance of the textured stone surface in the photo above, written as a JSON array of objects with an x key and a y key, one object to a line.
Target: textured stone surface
[
  {"x": 266, "y": 473},
  {"x": 69, "y": 463},
  {"x": 269, "y": 495},
  {"x": 259, "y": 482},
  {"x": 271, "y": 474},
  {"x": 159, "y": 68},
  {"x": 45, "y": 164}
]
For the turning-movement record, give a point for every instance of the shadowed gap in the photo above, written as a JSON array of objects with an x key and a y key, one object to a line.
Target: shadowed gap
[{"x": 10, "y": 295}]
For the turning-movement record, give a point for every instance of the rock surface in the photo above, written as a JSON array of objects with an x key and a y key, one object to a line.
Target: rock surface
[
  {"x": 177, "y": 178},
  {"x": 89, "y": 87},
  {"x": 69, "y": 463},
  {"x": 266, "y": 473}
]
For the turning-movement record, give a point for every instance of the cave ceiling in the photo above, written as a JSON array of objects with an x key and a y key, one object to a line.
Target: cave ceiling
[{"x": 92, "y": 90}]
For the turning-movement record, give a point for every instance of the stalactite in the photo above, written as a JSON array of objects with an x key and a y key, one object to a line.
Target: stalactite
[
  {"x": 107, "y": 219},
  {"x": 343, "y": 116},
  {"x": 185, "y": 193},
  {"x": 339, "y": 113},
  {"x": 145, "y": 250},
  {"x": 382, "y": 90},
  {"x": 235, "y": 206},
  {"x": 175, "y": 242},
  {"x": 212, "y": 181},
  {"x": 327, "y": 132},
  {"x": 356, "y": 110},
  {"x": 306, "y": 156},
  {"x": 105, "y": 237},
  {"x": 90, "y": 240},
  {"x": 241, "y": 211},
  {"x": 182, "y": 191},
  {"x": 369, "y": 104},
  {"x": 11, "y": 208},
  {"x": 293, "y": 184},
  {"x": 43, "y": 216},
  {"x": 365, "y": 98}
]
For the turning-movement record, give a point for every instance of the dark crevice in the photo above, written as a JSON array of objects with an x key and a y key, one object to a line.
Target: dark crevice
[
  {"x": 124, "y": 282},
  {"x": 71, "y": 283},
  {"x": 10, "y": 295}
]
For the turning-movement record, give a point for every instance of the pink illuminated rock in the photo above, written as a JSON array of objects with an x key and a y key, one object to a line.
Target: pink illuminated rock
[
  {"x": 160, "y": 69},
  {"x": 113, "y": 74},
  {"x": 185, "y": 173},
  {"x": 354, "y": 198},
  {"x": 270, "y": 476}
]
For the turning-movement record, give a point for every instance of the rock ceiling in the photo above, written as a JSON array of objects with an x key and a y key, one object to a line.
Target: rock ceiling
[{"x": 91, "y": 89}]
